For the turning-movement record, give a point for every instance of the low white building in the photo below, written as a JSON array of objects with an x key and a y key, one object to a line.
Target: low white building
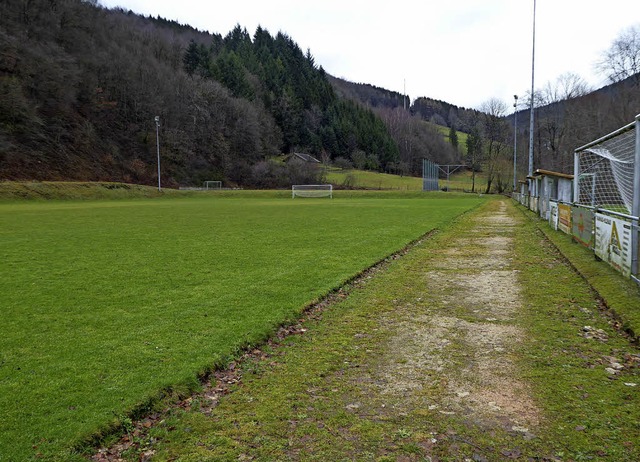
[{"x": 549, "y": 186}]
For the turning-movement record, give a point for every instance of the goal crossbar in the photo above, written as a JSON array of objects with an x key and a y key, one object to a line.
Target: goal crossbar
[
  {"x": 212, "y": 185},
  {"x": 605, "y": 172},
  {"x": 312, "y": 190}
]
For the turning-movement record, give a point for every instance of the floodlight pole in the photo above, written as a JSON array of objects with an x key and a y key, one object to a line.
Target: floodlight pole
[
  {"x": 515, "y": 140},
  {"x": 404, "y": 94},
  {"x": 533, "y": 60},
  {"x": 157, "y": 119}
]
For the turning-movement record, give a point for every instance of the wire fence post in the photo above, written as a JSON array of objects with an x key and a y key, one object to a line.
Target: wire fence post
[
  {"x": 635, "y": 208},
  {"x": 157, "y": 120}
]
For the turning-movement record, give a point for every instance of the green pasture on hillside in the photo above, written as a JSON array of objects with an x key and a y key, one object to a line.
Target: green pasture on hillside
[
  {"x": 462, "y": 138},
  {"x": 363, "y": 179},
  {"x": 106, "y": 304},
  {"x": 463, "y": 181}
]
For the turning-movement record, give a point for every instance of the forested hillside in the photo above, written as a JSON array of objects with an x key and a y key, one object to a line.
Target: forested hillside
[
  {"x": 80, "y": 87},
  {"x": 370, "y": 95},
  {"x": 568, "y": 115},
  {"x": 415, "y": 133}
]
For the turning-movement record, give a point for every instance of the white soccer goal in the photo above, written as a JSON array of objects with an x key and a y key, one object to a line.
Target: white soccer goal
[
  {"x": 605, "y": 171},
  {"x": 207, "y": 185},
  {"x": 311, "y": 190}
]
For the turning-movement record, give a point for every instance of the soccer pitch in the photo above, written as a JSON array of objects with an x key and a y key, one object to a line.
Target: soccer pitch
[{"x": 107, "y": 303}]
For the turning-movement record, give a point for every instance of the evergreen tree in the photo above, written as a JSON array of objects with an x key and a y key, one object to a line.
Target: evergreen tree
[
  {"x": 80, "y": 96},
  {"x": 191, "y": 58},
  {"x": 228, "y": 69},
  {"x": 453, "y": 136},
  {"x": 196, "y": 59}
]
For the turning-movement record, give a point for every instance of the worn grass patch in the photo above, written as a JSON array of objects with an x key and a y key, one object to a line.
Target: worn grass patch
[
  {"x": 395, "y": 371},
  {"x": 583, "y": 369}
]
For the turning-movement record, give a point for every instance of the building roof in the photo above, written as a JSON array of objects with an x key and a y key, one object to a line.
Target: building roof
[
  {"x": 304, "y": 157},
  {"x": 542, "y": 172}
]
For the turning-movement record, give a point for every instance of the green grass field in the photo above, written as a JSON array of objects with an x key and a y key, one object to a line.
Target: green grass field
[
  {"x": 71, "y": 190},
  {"x": 108, "y": 304}
]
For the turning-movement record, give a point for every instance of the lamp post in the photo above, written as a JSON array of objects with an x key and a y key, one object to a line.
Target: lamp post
[
  {"x": 533, "y": 60},
  {"x": 404, "y": 94},
  {"x": 515, "y": 140},
  {"x": 157, "y": 119}
]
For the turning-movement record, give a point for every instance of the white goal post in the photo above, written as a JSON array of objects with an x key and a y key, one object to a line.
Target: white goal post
[
  {"x": 207, "y": 185},
  {"x": 607, "y": 171},
  {"x": 311, "y": 190}
]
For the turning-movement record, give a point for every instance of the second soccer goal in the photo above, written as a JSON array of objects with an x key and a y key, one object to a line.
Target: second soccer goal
[
  {"x": 312, "y": 190},
  {"x": 207, "y": 185}
]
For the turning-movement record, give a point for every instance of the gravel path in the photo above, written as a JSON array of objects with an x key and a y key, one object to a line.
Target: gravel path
[{"x": 461, "y": 332}]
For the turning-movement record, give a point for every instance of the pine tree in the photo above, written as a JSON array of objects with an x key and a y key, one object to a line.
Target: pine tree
[
  {"x": 196, "y": 59},
  {"x": 228, "y": 69},
  {"x": 191, "y": 58},
  {"x": 453, "y": 136}
]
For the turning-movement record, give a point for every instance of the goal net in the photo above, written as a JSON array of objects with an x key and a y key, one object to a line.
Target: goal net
[
  {"x": 311, "y": 190},
  {"x": 212, "y": 185},
  {"x": 429, "y": 175},
  {"x": 604, "y": 171}
]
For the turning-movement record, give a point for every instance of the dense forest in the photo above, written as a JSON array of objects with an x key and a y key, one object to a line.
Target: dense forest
[
  {"x": 80, "y": 87},
  {"x": 416, "y": 134}
]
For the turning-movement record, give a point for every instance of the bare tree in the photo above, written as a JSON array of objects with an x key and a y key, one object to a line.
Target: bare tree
[
  {"x": 567, "y": 86},
  {"x": 416, "y": 140},
  {"x": 554, "y": 119},
  {"x": 496, "y": 135},
  {"x": 622, "y": 59}
]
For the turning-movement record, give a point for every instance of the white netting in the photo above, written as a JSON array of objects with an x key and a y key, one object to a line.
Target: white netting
[
  {"x": 212, "y": 185},
  {"x": 312, "y": 190},
  {"x": 605, "y": 172},
  {"x": 430, "y": 175}
]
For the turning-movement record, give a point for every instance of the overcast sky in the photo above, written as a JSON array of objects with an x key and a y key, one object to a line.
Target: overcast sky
[{"x": 463, "y": 52}]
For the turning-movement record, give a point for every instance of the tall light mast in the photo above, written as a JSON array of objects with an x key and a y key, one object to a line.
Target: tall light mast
[{"x": 533, "y": 60}]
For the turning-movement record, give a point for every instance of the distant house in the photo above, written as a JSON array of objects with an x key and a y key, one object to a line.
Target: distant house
[{"x": 307, "y": 158}]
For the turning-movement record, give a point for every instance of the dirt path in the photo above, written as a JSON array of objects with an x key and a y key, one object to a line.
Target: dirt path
[{"x": 461, "y": 332}]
